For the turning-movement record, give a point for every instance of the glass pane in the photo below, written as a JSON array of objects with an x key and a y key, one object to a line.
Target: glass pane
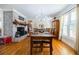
[
  {"x": 64, "y": 30},
  {"x": 73, "y": 15},
  {"x": 72, "y": 32},
  {"x": 66, "y": 19},
  {"x": 65, "y": 23}
]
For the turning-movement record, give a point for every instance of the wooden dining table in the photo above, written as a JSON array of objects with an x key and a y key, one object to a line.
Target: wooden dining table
[{"x": 42, "y": 36}]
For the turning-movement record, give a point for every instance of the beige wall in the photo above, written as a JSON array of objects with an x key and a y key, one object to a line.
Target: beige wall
[{"x": 77, "y": 37}]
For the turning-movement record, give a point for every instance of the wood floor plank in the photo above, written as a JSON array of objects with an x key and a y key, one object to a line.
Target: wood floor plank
[{"x": 23, "y": 48}]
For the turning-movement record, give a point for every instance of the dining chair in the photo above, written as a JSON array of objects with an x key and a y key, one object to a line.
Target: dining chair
[{"x": 36, "y": 43}]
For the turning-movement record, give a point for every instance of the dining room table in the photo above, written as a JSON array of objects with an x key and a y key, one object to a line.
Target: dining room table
[{"x": 42, "y": 36}]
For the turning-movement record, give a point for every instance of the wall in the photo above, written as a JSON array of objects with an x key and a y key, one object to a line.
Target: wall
[{"x": 77, "y": 39}]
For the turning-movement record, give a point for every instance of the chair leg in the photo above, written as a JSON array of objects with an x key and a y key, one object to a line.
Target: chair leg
[{"x": 31, "y": 47}]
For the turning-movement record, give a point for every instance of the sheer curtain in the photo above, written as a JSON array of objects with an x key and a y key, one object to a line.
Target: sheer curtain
[{"x": 61, "y": 27}]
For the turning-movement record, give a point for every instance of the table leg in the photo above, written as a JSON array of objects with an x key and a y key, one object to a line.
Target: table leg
[
  {"x": 31, "y": 46},
  {"x": 50, "y": 46},
  {"x": 41, "y": 46}
]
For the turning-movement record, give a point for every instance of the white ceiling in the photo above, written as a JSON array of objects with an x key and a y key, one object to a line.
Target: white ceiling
[{"x": 32, "y": 10}]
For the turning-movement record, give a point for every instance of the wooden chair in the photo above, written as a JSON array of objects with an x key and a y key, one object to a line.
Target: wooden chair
[
  {"x": 36, "y": 44},
  {"x": 41, "y": 44},
  {"x": 46, "y": 44}
]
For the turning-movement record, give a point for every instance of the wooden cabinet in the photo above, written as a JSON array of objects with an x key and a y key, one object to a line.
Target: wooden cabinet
[{"x": 56, "y": 26}]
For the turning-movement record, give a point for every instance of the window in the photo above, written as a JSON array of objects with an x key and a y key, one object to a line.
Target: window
[
  {"x": 72, "y": 28},
  {"x": 65, "y": 24},
  {"x": 69, "y": 24}
]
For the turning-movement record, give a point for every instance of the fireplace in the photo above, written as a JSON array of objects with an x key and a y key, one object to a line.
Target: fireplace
[{"x": 20, "y": 32}]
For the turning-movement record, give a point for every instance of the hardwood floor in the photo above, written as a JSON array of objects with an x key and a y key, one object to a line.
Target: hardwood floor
[{"x": 22, "y": 48}]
